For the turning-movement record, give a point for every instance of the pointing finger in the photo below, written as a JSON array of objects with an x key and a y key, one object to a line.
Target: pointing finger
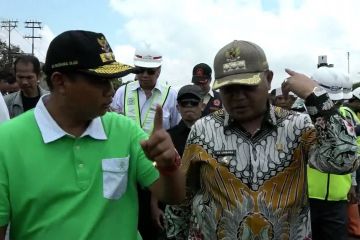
[
  {"x": 290, "y": 72},
  {"x": 158, "y": 120}
]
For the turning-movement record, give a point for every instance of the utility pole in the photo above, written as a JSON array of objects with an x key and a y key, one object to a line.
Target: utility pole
[
  {"x": 348, "y": 62},
  {"x": 33, "y": 25},
  {"x": 9, "y": 25}
]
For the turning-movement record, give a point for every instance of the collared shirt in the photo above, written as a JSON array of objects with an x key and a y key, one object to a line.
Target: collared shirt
[
  {"x": 171, "y": 116},
  {"x": 97, "y": 177},
  {"x": 246, "y": 187},
  {"x": 207, "y": 97},
  {"x": 51, "y": 131},
  {"x": 212, "y": 101}
]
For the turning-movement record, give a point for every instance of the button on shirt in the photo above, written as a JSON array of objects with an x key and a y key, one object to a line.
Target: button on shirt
[
  {"x": 51, "y": 131},
  {"x": 171, "y": 116}
]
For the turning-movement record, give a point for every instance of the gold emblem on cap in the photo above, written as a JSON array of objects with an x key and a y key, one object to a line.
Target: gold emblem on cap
[
  {"x": 107, "y": 55},
  {"x": 232, "y": 56},
  {"x": 104, "y": 44}
]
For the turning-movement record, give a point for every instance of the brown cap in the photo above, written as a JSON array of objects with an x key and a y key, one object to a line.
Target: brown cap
[{"x": 239, "y": 62}]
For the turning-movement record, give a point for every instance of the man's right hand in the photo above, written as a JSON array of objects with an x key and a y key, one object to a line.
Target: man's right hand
[
  {"x": 299, "y": 84},
  {"x": 158, "y": 217}
]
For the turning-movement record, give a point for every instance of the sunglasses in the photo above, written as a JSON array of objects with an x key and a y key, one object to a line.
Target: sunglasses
[
  {"x": 150, "y": 71},
  {"x": 189, "y": 103}
]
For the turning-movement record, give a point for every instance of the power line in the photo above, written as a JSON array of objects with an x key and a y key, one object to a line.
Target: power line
[
  {"x": 33, "y": 25},
  {"x": 9, "y": 25},
  {"x": 26, "y": 41}
]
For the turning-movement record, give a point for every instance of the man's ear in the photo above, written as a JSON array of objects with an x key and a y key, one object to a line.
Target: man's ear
[
  {"x": 158, "y": 72},
  {"x": 269, "y": 76},
  {"x": 58, "y": 81}
]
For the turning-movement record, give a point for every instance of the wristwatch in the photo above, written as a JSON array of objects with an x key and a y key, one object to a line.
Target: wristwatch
[{"x": 318, "y": 91}]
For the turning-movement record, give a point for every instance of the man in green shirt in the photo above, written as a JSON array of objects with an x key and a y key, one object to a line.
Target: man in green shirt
[{"x": 68, "y": 168}]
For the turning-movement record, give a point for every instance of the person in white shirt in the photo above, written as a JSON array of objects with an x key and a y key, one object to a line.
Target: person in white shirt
[
  {"x": 138, "y": 100},
  {"x": 4, "y": 113}
]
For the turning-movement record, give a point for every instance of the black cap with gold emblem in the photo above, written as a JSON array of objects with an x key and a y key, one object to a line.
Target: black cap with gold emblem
[
  {"x": 239, "y": 62},
  {"x": 83, "y": 51}
]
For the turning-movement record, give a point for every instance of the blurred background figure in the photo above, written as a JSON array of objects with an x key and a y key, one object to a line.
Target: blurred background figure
[
  {"x": 4, "y": 113},
  {"x": 8, "y": 82},
  {"x": 27, "y": 74},
  {"x": 351, "y": 108},
  {"x": 328, "y": 193},
  {"x": 280, "y": 100},
  {"x": 202, "y": 78}
]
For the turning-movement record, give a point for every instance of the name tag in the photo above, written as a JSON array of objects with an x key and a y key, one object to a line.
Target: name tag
[{"x": 225, "y": 156}]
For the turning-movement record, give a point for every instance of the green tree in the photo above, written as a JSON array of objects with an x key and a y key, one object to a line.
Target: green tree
[
  {"x": 5, "y": 61},
  {"x": 356, "y": 85}
]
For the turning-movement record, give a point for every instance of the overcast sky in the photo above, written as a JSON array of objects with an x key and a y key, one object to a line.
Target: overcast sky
[{"x": 293, "y": 33}]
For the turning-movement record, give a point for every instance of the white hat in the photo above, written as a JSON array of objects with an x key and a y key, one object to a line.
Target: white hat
[
  {"x": 356, "y": 93},
  {"x": 331, "y": 80},
  {"x": 347, "y": 86},
  {"x": 147, "y": 57}
]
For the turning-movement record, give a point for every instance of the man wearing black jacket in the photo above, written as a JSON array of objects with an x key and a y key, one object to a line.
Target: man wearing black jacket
[{"x": 190, "y": 106}]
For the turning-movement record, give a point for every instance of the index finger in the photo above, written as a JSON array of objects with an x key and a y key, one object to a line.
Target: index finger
[
  {"x": 290, "y": 72},
  {"x": 158, "y": 119}
]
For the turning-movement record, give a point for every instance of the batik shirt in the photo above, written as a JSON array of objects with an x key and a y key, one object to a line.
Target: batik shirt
[{"x": 243, "y": 186}]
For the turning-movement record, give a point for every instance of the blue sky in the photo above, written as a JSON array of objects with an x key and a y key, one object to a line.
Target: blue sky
[
  {"x": 293, "y": 33},
  {"x": 62, "y": 15}
]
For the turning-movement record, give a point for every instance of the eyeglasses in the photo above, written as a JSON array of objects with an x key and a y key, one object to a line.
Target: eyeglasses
[
  {"x": 189, "y": 103},
  {"x": 150, "y": 71}
]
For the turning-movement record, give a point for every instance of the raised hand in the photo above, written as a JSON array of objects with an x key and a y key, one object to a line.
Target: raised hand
[
  {"x": 159, "y": 147},
  {"x": 298, "y": 83}
]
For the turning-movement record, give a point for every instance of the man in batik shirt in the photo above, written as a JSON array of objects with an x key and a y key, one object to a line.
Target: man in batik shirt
[{"x": 246, "y": 164}]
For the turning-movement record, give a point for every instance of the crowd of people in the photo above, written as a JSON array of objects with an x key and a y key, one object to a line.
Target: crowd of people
[{"x": 231, "y": 160}]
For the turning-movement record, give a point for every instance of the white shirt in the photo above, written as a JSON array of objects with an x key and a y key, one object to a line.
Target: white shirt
[
  {"x": 4, "y": 112},
  {"x": 51, "y": 131},
  {"x": 208, "y": 96},
  {"x": 171, "y": 116}
]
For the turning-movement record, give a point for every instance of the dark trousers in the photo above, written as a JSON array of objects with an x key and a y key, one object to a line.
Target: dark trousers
[
  {"x": 328, "y": 219},
  {"x": 145, "y": 225}
]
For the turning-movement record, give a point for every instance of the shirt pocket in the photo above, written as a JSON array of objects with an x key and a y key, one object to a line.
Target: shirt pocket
[{"x": 115, "y": 177}]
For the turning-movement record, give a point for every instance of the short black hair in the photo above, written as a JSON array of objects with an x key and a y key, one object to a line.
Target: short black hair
[
  {"x": 28, "y": 59},
  {"x": 48, "y": 77}
]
